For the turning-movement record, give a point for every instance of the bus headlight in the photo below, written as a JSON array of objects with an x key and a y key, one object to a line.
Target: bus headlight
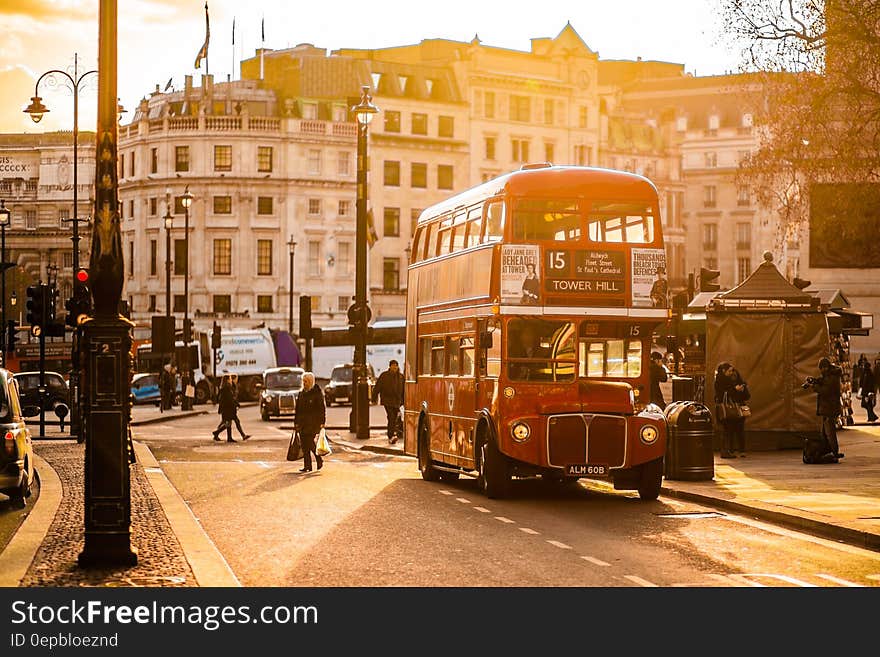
[
  {"x": 520, "y": 431},
  {"x": 649, "y": 434}
]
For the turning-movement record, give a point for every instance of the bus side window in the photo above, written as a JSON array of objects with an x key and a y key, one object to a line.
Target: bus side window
[
  {"x": 494, "y": 221},
  {"x": 475, "y": 226},
  {"x": 437, "y": 356},
  {"x": 466, "y": 349},
  {"x": 416, "y": 245},
  {"x": 490, "y": 351},
  {"x": 445, "y": 241},
  {"x": 453, "y": 353},
  {"x": 425, "y": 357},
  {"x": 431, "y": 240}
]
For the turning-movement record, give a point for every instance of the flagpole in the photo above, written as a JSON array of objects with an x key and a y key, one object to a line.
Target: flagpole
[
  {"x": 233, "y": 49},
  {"x": 262, "y": 44}
]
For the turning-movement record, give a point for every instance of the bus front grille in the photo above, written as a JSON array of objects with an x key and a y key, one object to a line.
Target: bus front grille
[
  {"x": 570, "y": 441},
  {"x": 567, "y": 440}
]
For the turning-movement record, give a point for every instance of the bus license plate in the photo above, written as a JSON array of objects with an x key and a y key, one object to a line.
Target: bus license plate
[{"x": 586, "y": 470}]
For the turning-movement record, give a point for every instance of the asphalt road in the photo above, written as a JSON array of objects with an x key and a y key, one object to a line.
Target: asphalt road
[{"x": 368, "y": 519}]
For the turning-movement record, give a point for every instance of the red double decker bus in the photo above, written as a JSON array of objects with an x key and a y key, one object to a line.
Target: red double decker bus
[{"x": 532, "y": 299}]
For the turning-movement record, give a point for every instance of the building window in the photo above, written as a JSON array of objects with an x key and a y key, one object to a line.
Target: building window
[
  {"x": 151, "y": 307},
  {"x": 391, "y": 222},
  {"x": 264, "y": 257},
  {"x": 444, "y": 176},
  {"x": 67, "y": 259},
  {"x": 154, "y": 206},
  {"x": 314, "y": 207},
  {"x": 743, "y": 236},
  {"x": 548, "y": 111},
  {"x": 742, "y": 195},
  {"x": 391, "y": 274},
  {"x": 714, "y": 122},
  {"x": 419, "y": 123},
  {"x": 582, "y": 155},
  {"x": 314, "y": 258},
  {"x": 222, "y": 205},
  {"x": 264, "y": 205},
  {"x": 392, "y": 173},
  {"x": 520, "y": 108},
  {"x": 743, "y": 269},
  {"x": 222, "y": 257},
  {"x": 344, "y": 208},
  {"x": 310, "y": 111},
  {"x": 710, "y": 237},
  {"x": 549, "y": 152},
  {"x": 264, "y": 303},
  {"x": 154, "y": 258},
  {"x": 154, "y": 160},
  {"x": 179, "y": 259},
  {"x": 131, "y": 164},
  {"x": 343, "y": 163},
  {"x": 446, "y": 126},
  {"x": 681, "y": 124},
  {"x": 222, "y": 303},
  {"x": 709, "y": 192},
  {"x": 179, "y": 303},
  {"x": 419, "y": 175},
  {"x": 314, "y": 161},
  {"x": 30, "y": 219},
  {"x": 711, "y": 160},
  {"x": 122, "y": 165},
  {"x": 489, "y": 105},
  {"x": 519, "y": 149},
  {"x": 490, "y": 147},
  {"x": 131, "y": 259},
  {"x": 344, "y": 261},
  {"x": 181, "y": 158},
  {"x": 392, "y": 121},
  {"x": 131, "y": 209},
  {"x": 222, "y": 158},
  {"x": 316, "y": 303},
  {"x": 583, "y": 116},
  {"x": 342, "y": 303},
  {"x": 264, "y": 159}
]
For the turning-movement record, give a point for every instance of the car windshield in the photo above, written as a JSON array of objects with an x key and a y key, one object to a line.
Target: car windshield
[
  {"x": 341, "y": 374},
  {"x": 284, "y": 381}
]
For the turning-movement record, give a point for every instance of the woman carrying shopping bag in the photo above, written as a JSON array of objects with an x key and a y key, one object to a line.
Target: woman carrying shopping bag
[
  {"x": 309, "y": 420},
  {"x": 731, "y": 393}
]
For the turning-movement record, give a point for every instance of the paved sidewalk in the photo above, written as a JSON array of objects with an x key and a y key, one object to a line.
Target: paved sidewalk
[{"x": 839, "y": 501}]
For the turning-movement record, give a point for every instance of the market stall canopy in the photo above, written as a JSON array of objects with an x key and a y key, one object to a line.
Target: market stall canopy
[{"x": 765, "y": 290}]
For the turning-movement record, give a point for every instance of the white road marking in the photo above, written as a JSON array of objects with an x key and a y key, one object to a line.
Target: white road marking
[
  {"x": 837, "y": 580},
  {"x": 876, "y": 578},
  {"x": 724, "y": 579},
  {"x": 482, "y": 509},
  {"x": 745, "y": 577},
  {"x": 640, "y": 581},
  {"x": 503, "y": 519},
  {"x": 263, "y": 464},
  {"x": 595, "y": 561},
  {"x": 463, "y": 500},
  {"x": 446, "y": 492},
  {"x": 562, "y": 546},
  {"x": 529, "y": 531}
]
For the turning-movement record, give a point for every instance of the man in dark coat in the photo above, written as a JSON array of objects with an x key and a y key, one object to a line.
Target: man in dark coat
[
  {"x": 658, "y": 375},
  {"x": 827, "y": 389},
  {"x": 309, "y": 420},
  {"x": 228, "y": 408},
  {"x": 390, "y": 386},
  {"x": 868, "y": 387}
]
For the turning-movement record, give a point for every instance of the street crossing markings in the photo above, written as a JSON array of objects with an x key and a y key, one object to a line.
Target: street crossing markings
[
  {"x": 746, "y": 577},
  {"x": 446, "y": 492},
  {"x": 837, "y": 580},
  {"x": 876, "y": 578},
  {"x": 503, "y": 519},
  {"x": 724, "y": 579},
  {"x": 640, "y": 581},
  {"x": 562, "y": 546},
  {"x": 463, "y": 500},
  {"x": 596, "y": 562},
  {"x": 482, "y": 509},
  {"x": 529, "y": 531}
]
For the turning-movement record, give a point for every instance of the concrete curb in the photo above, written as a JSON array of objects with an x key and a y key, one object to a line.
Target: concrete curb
[
  {"x": 378, "y": 449},
  {"x": 208, "y": 565},
  {"x": 166, "y": 418},
  {"x": 771, "y": 513},
  {"x": 21, "y": 550}
]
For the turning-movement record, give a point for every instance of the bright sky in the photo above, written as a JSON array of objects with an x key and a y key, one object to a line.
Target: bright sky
[{"x": 159, "y": 39}]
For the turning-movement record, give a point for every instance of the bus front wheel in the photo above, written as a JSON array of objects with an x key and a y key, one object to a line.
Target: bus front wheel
[
  {"x": 651, "y": 480},
  {"x": 494, "y": 474},
  {"x": 426, "y": 466}
]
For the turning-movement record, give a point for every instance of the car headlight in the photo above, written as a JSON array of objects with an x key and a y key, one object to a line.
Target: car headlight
[
  {"x": 648, "y": 434},
  {"x": 520, "y": 431},
  {"x": 267, "y": 397}
]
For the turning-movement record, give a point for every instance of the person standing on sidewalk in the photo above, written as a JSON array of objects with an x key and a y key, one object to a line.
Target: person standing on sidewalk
[
  {"x": 309, "y": 420},
  {"x": 827, "y": 389},
  {"x": 730, "y": 386},
  {"x": 868, "y": 390},
  {"x": 390, "y": 386},
  {"x": 659, "y": 374}
]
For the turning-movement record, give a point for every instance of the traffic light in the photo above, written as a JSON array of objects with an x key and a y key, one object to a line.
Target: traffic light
[
  {"x": 707, "y": 280},
  {"x": 305, "y": 316},
  {"x": 216, "y": 334},
  {"x": 52, "y": 301},
  {"x": 187, "y": 330},
  {"x": 36, "y": 304},
  {"x": 11, "y": 336},
  {"x": 79, "y": 306}
]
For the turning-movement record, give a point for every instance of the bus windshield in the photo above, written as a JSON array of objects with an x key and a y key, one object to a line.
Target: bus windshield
[{"x": 541, "y": 350}]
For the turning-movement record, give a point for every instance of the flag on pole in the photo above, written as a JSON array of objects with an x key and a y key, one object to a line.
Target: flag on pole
[
  {"x": 233, "y": 30},
  {"x": 372, "y": 235},
  {"x": 203, "y": 53},
  {"x": 263, "y": 30}
]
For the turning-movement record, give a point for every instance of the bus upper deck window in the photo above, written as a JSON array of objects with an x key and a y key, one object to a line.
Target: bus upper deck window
[
  {"x": 475, "y": 226},
  {"x": 541, "y": 219},
  {"x": 621, "y": 222},
  {"x": 494, "y": 221},
  {"x": 431, "y": 240},
  {"x": 417, "y": 245}
]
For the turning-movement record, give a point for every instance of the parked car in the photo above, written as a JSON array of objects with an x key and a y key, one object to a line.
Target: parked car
[
  {"x": 338, "y": 390},
  {"x": 281, "y": 386},
  {"x": 56, "y": 399},
  {"x": 17, "y": 453},
  {"x": 145, "y": 389}
]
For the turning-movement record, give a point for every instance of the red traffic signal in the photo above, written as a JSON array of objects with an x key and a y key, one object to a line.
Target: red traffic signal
[{"x": 82, "y": 275}]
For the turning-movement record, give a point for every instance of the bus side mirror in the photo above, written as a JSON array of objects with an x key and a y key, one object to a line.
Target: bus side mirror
[{"x": 485, "y": 339}]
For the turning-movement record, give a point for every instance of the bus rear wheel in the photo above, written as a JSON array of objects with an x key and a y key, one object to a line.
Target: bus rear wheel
[
  {"x": 651, "y": 480},
  {"x": 426, "y": 465},
  {"x": 494, "y": 473}
]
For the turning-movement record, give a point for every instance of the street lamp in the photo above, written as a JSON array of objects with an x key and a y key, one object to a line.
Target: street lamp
[
  {"x": 169, "y": 223},
  {"x": 36, "y": 110},
  {"x": 5, "y": 216},
  {"x": 359, "y": 312},
  {"x": 291, "y": 245},
  {"x": 187, "y": 403}
]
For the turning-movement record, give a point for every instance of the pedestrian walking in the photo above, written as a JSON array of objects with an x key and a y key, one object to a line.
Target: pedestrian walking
[
  {"x": 659, "y": 374},
  {"x": 309, "y": 420},
  {"x": 167, "y": 384},
  {"x": 730, "y": 387},
  {"x": 390, "y": 386},
  {"x": 227, "y": 407},
  {"x": 868, "y": 390},
  {"x": 828, "y": 407}
]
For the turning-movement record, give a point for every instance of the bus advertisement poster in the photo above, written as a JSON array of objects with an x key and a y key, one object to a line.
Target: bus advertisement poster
[
  {"x": 520, "y": 274},
  {"x": 646, "y": 281}
]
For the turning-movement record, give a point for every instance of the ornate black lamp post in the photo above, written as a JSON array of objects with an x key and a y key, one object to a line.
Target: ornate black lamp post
[
  {"x": 187, "y": 403},
  {"x": 291, "y": 245},
  {"x": 169, "y": 224},
  {"x": 5, "y": 216},
  {"x": 359, "y": 312}
]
